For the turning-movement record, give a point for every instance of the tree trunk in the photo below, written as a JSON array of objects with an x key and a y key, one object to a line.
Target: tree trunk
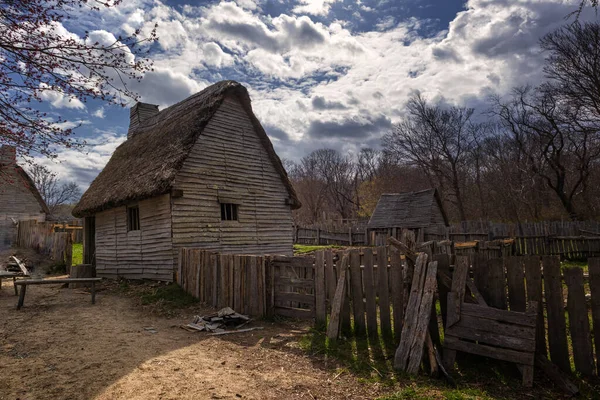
[{"x": 82, "y": 271}]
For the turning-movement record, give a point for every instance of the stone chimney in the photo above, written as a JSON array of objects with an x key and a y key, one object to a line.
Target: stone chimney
[
  {"x": 8, "y": 155},
  {"x": 139, "y": 113}
]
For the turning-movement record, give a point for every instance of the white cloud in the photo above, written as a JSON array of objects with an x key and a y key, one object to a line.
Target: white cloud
[
  {"x": 99, "y": 113},
  {"x": 362, "y": 79},
  {"x": 82, "y": 166},
  {"x": 313, "y": 7},
  {"x": 59, "y": 99}
]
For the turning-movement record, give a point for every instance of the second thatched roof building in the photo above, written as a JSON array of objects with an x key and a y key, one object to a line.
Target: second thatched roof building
[{"x": 422, "y": 212}]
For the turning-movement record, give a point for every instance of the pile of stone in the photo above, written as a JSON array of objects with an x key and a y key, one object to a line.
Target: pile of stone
[{"x": 219, "y": 322}]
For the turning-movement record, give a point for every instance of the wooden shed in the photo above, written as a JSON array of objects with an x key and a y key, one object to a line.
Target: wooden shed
[
  {"x": 421, "y": 211},
  {"x": 201, "y": 173},
  {"x": 19, "y": 198}
]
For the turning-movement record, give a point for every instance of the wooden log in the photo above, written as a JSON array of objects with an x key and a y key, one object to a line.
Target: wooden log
[
  {"x": 594, "y": 269},
  {"x": 82, "y": 271},
  {"x": 358, "y": 305},
  {"x": 433, "y": 364},
  {"x": 369, "y": 289},
  {"x": 516, "y": 284},
  {"x": 384, "y": 296},
  {"x": 443, "y": 261},
  {"x": 333, "y": 329},
  {"x": 533, "y": 278},
  {"x": 557, "y": 335},
  {"x": 397, "y": 289},
  {"x": 579, "y": 322},
  {"x": 556, "y": 375},
  {"x": 320, "y": 295},
  {"x": 429, "y": 287}
]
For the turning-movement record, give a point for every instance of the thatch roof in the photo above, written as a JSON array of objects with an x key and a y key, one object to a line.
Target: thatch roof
[
  {"x": 146, "y": 164},
  {"x": 406, "y": 210}
]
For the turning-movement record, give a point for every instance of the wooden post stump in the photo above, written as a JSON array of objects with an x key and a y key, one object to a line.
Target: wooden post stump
[{"x": 82, "y": 271}]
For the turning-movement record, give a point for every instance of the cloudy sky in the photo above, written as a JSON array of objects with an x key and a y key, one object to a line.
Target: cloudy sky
[{"x": 321, "y": 73}]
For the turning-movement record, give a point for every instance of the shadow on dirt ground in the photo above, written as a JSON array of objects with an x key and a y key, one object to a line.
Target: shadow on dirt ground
[{"x": 60, "y": 346}]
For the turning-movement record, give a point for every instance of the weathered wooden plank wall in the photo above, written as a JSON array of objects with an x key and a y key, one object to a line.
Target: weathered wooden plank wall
[{"x": 138, "y": 254}]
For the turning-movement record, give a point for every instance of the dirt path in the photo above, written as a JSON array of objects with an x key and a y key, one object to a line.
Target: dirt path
[{"x": 59, "y": 346}]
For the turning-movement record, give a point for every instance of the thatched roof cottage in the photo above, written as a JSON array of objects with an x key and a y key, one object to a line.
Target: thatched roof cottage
[
  {"x": 421, "y": 211},
  {"x": 201, "y": 173},
  {"x": 19, "y": 198}
]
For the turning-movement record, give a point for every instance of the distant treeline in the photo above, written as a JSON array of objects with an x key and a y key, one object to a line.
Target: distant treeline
[{"x": 533, "y": 155}]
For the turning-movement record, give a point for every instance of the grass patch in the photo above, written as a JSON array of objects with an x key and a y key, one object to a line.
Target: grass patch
[
  {"x": 305, "y": 249},
  {"x": 422, "y": 393},
  {"x": 572, "y": 264},
  {"x": 167, "y": 300},
  {"x": 371, "y": 361},
  {"x": 57, "y": 269},
  {"x": 77, "y": 254},
  {"x": 170, "y": 296}
]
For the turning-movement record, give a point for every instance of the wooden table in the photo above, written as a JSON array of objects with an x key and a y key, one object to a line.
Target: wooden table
[{"x": 25, "y": 282}]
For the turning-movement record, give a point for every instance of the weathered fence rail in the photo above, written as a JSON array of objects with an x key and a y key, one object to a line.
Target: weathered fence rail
[
  {"x": 317, "y": 236},
  {"x": 42, "y": 237}
]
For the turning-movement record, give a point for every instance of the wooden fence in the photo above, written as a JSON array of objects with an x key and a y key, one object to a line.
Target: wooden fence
[
  {"x": 76, "y": 231},
  {"x": 317, "y": 236},
  {"x": 481, "y": 229},
  {"x": 42, "y": 237},
  {"x": 256, "y": 285},
  {"x": 378, "y": 285}
]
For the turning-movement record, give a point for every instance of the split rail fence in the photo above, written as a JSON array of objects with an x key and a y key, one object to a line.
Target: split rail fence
[
  {"x": 42, "y": 237},
  {"x": 377, "y": 288}
]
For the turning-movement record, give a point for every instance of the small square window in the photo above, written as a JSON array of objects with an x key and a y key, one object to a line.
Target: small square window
[
  {"x": 229, "y": 212},
  {"x": 133, "y": 218}
]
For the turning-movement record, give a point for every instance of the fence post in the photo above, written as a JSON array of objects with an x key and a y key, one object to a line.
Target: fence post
[
  {"x": 318, "y": 236},
  {"x": 350, "y": 236}
]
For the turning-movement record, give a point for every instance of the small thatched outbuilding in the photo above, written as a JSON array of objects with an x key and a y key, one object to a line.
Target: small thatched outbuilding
[
  {"x": 201, "y": 173},
  {"x": 19, "y": 198},
  {"x": 421, "y": 211}
]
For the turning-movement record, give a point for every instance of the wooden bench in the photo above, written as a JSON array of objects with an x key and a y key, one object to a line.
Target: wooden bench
[
  {"x": 24, "y": 283},
  {"x": 14, "y": 276}
]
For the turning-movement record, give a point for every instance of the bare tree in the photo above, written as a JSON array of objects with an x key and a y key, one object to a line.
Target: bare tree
[
  {"x": 558, "y": 146},
  {"x": 38, "y": 58},
  {"x": 573, "y": 68},
  {"x": 54, "y": 192},
  {"x": 438, "y": 140}
]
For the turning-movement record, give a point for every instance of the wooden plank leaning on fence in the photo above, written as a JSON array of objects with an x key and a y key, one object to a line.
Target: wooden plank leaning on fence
[{"x": 416, "y": 321}]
